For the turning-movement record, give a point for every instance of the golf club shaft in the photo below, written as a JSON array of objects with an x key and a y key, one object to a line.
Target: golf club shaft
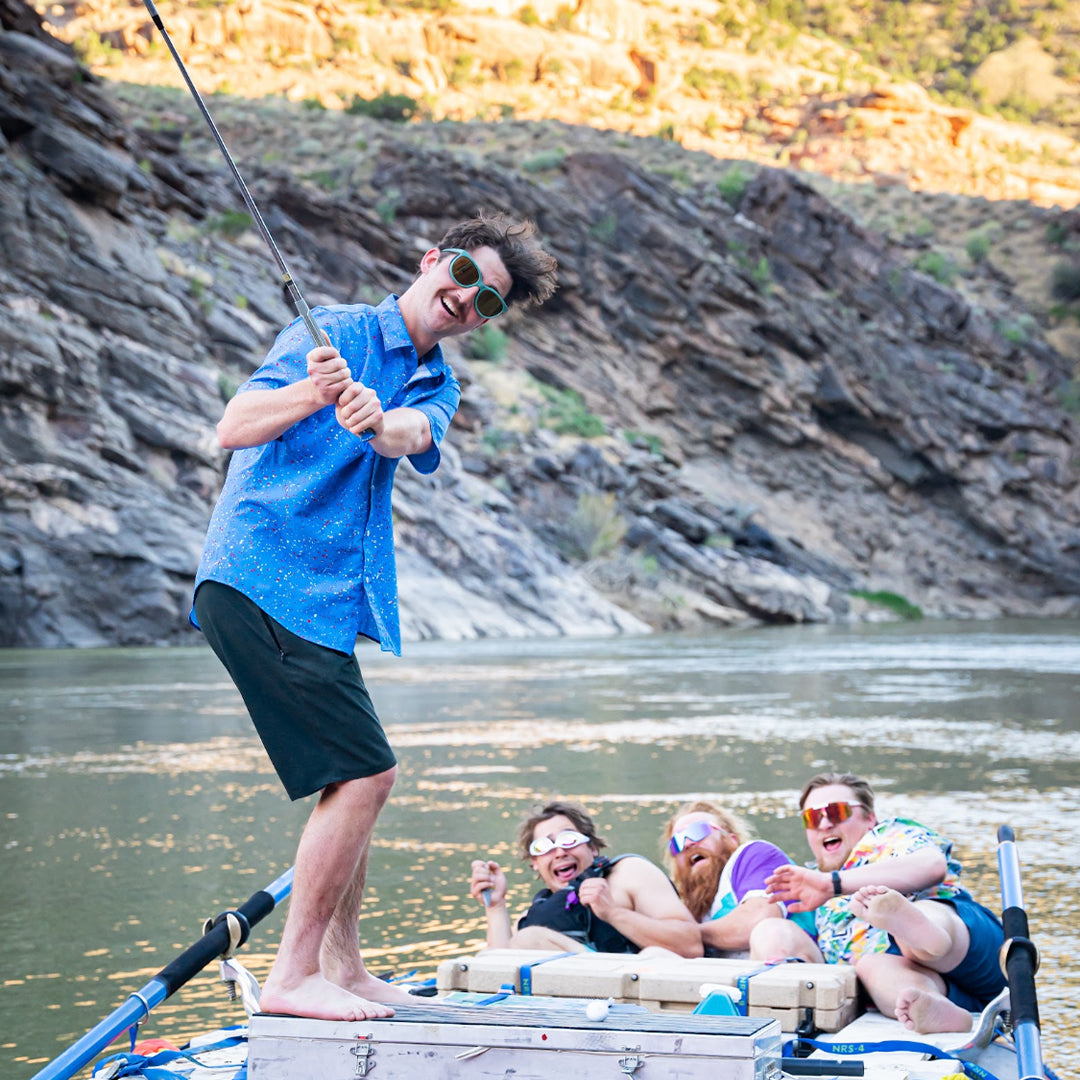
[{"x": 286, "y": 277}]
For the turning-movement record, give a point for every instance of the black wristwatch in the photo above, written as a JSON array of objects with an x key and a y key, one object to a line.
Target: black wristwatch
[{"x": 837, "y": 888}]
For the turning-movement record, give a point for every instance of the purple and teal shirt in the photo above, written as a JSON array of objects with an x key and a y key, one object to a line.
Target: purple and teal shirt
[{"x": 303, "y": 525}]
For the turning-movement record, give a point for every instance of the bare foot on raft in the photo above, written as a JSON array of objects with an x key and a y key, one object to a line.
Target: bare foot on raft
[
  {"x": 320, "y": 999},
  {"x": 928, "y": 1012}
]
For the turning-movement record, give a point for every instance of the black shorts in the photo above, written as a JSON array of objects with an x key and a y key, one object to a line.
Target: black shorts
[{"x": 308, "y": 702}]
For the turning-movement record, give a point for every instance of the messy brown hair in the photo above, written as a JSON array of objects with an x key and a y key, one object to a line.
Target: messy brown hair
[
  {"x": 532, "y": 270},
  {"x": 577, "y": 814},
  {"x": 860, "y": 788}
]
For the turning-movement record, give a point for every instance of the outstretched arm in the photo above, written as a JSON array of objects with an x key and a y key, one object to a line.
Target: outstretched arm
[
  {"x": 638, "y": 900},
  {"x": 807, "y": 889},
  {"x": 732, "y": 931}
]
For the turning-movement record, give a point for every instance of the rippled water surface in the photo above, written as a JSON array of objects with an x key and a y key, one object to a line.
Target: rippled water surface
[{"x": 137, "y": 802}]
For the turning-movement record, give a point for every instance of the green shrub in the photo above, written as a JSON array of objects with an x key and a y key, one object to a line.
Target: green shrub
[
  {"x": 596, "y": 527},
  {"x": 1065, "y": 281},
  {"x": 732, "y": 185},
  {"x": 1068, "y": 393},
  {"x": 91, "y": 49},
  {"x": 397, "y": 108},
  {"x": 978, "y": 246},
  {"x": 937, "y": 265},
  {"x": 227, "y": 387},
  {"x": 605, "y": 229},
  {"x": 487, "y": 342},
  {"x": 528, "y": 15},
  {"x": 565, "y": 414},
  {"x": 761, "y": 275},
  {"x": 230, "y": 223},
  {"x": 890, "y": 600},
  {"x": 644, "y": 441},
  {"x": 546, "y": 159}
]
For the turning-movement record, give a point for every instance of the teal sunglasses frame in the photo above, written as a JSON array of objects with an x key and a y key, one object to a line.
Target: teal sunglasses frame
[{"x": 483, "y": 290}]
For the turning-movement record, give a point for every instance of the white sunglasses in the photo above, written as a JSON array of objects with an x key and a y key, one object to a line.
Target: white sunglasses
[{"x": 566, "y": 839}]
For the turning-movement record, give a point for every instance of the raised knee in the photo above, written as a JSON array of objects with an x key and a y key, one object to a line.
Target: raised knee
[{"x": 366, "y": 789}]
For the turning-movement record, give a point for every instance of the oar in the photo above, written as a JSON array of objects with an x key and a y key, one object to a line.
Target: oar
[
  {"x": 1021, "y": 959},
  {"x": 217, "y": 940}
]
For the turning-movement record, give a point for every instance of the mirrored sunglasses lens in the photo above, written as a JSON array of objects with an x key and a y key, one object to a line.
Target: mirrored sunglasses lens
[
  {"x": 489, "y": 303},
  {"x": 465, "y": 272},
  {"x": 541, "y": 846},
  {"x": 836, "y": 812},
  {"x": 570, "y": 839},
  {"x": 692, "y": 834}
]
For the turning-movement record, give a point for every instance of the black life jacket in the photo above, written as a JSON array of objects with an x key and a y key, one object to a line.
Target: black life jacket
[{"x": 562, "y": 911}]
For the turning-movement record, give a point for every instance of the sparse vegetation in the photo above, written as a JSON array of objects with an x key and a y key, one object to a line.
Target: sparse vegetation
[
  {"x": 396, "y": 108},
  {"x": 891, "y": 601},
  {"x": 596, "y": 527},
  {"x": 229, "y": 223},
  {"x": 732, "y": 185},
  {"x": 565, "y": 413},
  {"x": 937, "y": 265},
  {"x": 487, "y": 342}
]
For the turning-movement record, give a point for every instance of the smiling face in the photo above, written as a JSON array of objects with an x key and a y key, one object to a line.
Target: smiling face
[
  {"x": 559, "y": 866},
  {"x": 697, "y": 868},
  {"x": 435, "y": 307},
  {"x": 832, "y": 842}
]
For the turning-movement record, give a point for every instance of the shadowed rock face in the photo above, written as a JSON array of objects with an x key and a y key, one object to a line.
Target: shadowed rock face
[{"x": 792, "y": 413}]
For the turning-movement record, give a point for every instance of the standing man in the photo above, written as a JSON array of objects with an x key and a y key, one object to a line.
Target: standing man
[
  {"x": 887, "y": 898},
  {"x": 299, "y": 560}
]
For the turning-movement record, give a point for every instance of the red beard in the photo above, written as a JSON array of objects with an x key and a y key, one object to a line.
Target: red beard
[{"x": 697, "y": 885}]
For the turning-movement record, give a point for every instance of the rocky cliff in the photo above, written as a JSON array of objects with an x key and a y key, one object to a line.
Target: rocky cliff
[{"x": 739, "y": 405}]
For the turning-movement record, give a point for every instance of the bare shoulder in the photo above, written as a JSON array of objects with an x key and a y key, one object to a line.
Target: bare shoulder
[{"x": 637, "y": 872}]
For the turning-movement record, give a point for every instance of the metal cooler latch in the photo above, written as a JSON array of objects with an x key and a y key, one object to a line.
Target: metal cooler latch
[
  {"x": 631, "y": 1063},
  {"x": 363, "y": 1052}
]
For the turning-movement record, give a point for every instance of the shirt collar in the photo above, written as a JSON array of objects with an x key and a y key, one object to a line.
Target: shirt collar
[{"x": 396, "y": 336}]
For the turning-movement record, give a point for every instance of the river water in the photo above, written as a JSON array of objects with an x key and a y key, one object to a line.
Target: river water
[{"x": 136, "y": 801}]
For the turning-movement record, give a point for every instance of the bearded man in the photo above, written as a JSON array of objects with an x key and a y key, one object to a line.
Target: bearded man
[{"x": 720, "y": 875}]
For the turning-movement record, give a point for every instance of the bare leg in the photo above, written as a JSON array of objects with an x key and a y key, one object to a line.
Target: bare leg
[
  {"x": 540, "y": 937},
  {"x": 772, "y": 938},
  {"x": 927, "y": 931},
  {"x": 340, "y": 958},
  {"x": 890, "y": 979},
  {"x": 329, "y": 859}
]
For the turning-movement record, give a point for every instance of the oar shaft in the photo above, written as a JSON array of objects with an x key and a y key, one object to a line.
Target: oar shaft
[
  {"x": 169, "y": 979},
  {"x": 96, "y": 1039},
  {"x": 1020, "y": 961}
]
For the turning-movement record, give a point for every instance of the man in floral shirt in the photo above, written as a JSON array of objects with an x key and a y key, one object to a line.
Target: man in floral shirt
[{"x": 886, "y": 898}]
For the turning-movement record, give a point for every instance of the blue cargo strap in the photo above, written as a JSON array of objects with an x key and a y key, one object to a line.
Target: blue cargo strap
[
  {"x": 525, "y": 971},
  {"x": 861, "y": 1048},
  {"x": 154, "y": 1066},
  {"x": 743, "y": 981}
]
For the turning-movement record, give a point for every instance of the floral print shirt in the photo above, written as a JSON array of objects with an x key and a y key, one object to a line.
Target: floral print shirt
[{"x": 843, "y": 938}]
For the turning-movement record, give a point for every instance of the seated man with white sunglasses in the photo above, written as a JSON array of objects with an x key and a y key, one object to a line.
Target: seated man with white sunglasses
[
  {"x": 589, "y": 902},
  {"x": 721, "y": 874}
]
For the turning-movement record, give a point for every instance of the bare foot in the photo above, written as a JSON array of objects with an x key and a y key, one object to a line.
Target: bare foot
[
  {"x": 927, "y": 1012},
  {"x": 320, "y": 999},
  {"x": 371, "y": 988},
  {"x": 888, "y": 910}
]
